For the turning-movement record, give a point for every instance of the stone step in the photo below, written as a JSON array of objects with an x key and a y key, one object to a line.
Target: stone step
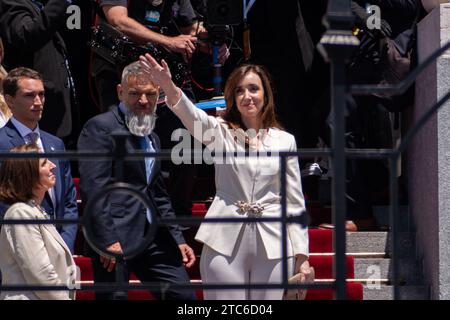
[
  {"x": 358, "y": 242},
  {"x": 362, "y": 255},
  {"x": 362, "y": 281},
  {"x": 385, "y": 292},
  {"x": 410, "y": 270}
]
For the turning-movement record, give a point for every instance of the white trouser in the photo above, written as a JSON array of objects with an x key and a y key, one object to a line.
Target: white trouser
[{"x": 248, "y": 264}]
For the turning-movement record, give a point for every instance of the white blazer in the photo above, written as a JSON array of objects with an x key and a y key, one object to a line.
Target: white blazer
[
  {"x": 34, "y": 255},
  {"x": 252, "y": 180}
]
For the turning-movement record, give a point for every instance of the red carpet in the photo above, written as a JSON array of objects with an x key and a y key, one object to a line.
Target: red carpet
[{"x": 320, "y": 241}]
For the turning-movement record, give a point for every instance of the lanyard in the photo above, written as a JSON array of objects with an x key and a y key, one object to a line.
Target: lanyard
[
  {"x": 41, "y": 6},
  {"x": 38, "y": 4},
  {"x": 247, "y": 7}
]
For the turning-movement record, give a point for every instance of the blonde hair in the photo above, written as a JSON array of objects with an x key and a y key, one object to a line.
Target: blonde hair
[{"x": 3, "y": 107}]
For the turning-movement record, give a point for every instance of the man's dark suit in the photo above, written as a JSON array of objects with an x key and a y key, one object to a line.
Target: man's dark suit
[
  {"x": 31, "y": 39},
  {"x": 121, "y": 217},
  {"x": 65, "y": 193}
]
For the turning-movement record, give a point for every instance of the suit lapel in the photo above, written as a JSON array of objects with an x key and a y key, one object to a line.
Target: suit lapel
[
  {"x": 55, "y": 234},
  {"x": 50, "y": 228},
  {"x": 48, "y": 147},
  {"x": 157, "y": 164},
  {"x": 14, "y": 135},
  {"x": 17, "y": 141}
]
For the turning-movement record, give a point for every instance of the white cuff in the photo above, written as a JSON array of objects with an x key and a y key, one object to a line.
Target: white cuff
[{"x": 176, "y": 104}]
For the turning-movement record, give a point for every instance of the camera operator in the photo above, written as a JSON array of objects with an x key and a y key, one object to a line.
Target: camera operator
[
  {"x": 142, "y": 21},
  {"x": 171, "y": 24}
]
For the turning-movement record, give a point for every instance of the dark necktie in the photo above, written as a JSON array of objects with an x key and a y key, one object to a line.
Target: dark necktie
[
  {"x": 32, "y": 137},
  {"x": 149, "y": 161}
]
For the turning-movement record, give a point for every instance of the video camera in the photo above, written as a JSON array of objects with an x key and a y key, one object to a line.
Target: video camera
[{"x": 220, "y": 15}]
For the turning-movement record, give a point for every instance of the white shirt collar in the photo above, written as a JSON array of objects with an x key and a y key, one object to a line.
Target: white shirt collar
[{"x": 24, "y": 130}]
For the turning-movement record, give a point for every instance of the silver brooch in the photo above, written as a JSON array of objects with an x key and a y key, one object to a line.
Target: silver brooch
[{"x": 252, "y": 209}]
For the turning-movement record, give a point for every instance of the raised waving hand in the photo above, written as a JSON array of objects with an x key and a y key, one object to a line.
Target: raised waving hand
[{"x": 160, "y": 75}]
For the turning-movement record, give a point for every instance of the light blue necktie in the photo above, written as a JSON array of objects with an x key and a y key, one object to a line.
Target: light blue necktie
[{"x": 146, "y": 146}]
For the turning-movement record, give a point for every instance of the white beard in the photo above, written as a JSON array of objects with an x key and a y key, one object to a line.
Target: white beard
[{"x": 140, "y": 125}]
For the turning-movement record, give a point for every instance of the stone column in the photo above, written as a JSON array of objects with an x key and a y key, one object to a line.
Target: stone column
[
  {"x": 429, "y": 156},
  {"x": 429, "y": 5}
]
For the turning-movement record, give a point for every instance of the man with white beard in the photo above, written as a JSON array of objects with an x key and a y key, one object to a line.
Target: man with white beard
[{"x": 120, "y": 221}]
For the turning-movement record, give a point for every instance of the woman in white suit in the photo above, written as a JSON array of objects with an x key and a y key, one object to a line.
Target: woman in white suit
[
  {"x": 31, "y": 254},
  {"x": 245, "y": 187}
]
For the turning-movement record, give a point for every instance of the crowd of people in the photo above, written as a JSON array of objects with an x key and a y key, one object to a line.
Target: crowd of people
[{"x": 143, "y": 97}]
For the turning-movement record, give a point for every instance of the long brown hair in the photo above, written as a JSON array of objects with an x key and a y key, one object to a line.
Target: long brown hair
[
  {"x": 18, "y": 177},
  {"x": 232, "y": 115}
]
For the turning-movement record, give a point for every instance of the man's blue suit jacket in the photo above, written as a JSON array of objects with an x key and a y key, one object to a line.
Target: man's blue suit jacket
[{"x": 65, "y": 193}]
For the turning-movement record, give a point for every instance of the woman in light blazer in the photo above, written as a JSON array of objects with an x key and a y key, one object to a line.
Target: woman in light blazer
[
  {"x": 245, "y": 187},
  {"x": 31, "y": 254}
]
